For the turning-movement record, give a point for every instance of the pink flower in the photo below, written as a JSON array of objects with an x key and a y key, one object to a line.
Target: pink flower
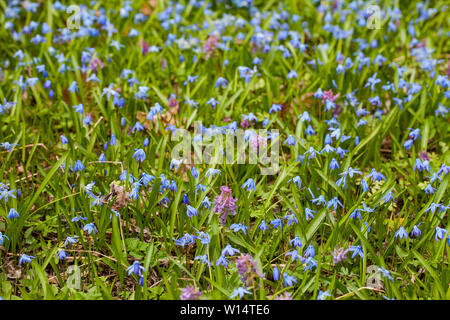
[
  {"x": 285, "y": 296},
  {"x": 95, "y": 63},
  {"x": 210, "y": 46},
  {"x": 424, "y": 156},
  {"x": 245, "y": 123},
  {"x": 145, "y": 46},
  {"x": 258, "y": 142},
  {"x": 225, "y": 204},
  {"x": 328, "y": 95},
  {"x": 247, "y": 267},
  {"x": 339, "y": 255},
  {"x": 189, "y": 293}
]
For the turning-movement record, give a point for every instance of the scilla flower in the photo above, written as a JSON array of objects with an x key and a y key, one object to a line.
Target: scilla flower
[
  {"x": 24, "y": 258},
  {"x": 190, "y": 293},
  {"x": 90, "y": 228},
  {"x": 249, "y": 184},
  {"x": 239, "y": 292},
  {"x": 289, "y": 280},
  {"x": 135, "y": 268},
  {"x": 191, "y": 211},
  {"x": 13, "y": 214},
  {"x": 2, "y": 237},
  {"x": 139, "y": 154}
]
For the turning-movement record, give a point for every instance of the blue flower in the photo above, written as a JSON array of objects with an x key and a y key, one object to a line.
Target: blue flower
[
  {"x": 24, "y": 258},
  {"x": 64, "y": 140},
  {"x": 292, "y": 74},
  {"x": 191, "y": 211},
  {"x": 139, "y": 154},
  {"x": 194, "y": 172},
  {"x": 277, "y": 223},
  {"x": 322, "y": 294},
  {"x": 221, "y": 82},
  {"x": 401, "y": 233},
  {"x": 429, "y": 189},
  {"x": 291, "y": 218},
  {"x": 13, "y": 214},
  {"x": 135, "y": 268},
  {"x": 318, "y": 94},
  {"x": 117, "y": 214},
  {"x": 440, "y": 232},
  {"x": 275, "y": 274},
  {"x": 236, "y": 227},
  {"x": 2, "y": 238},
  {"x": 73, "y": 87},
  {"x": 204, "y": 259},
  {"x": 334, "y": 164},
  {"x": 320, "y": 200},
  {"x": 294, "y": 255},
  {"x": 137, "y": 126},
  {"x": 191, "y": 79},
  {"x": 78, "y": 218},
  {"x": 142, "y": 93},
  {"x": 185, "y": 240},
  {"x": 372, "y": 82},
  {"x": 97, "y": 201},
  {"x": 312, "y": 153},
  {"x": 357, "y": 250},
  {"x": 327, "y": 149},
  {"x": 275, "y": 108},
  {"x": 249, "y": 184},
  {"x": 290, "y": 140},
  {"x": 263, "y": 226},
  {"x": 212, "y": 172},
  {"x": 310, "y": 252},
  {"x": 304, "y": 117},
  {"x": 191, "y": 103},
  {"x": 364, "y": 185},
  {"x": 78, "y": 166},
  {"x": 90, "y": 228},
  {"x": 79, "y": 108},
  {"x": 408, "y": 144},
  {"x": 376, "y": 176},
  {"x": 205, "y": 203},
  {"x": 296, "y": 242},
  {"x": 441, "y": 110},
  {"x": 222, "y": 261},
  {"x": 62, "y": 255},
  {"x": 416, "y": 231},
  {"x": 109, "y": 91},
  {"x": 414, "y": 134},
  {"x": 297, "y": 180},
  {"x": 229, "y": 250},
  {"x": 246, "y": 73},
  {"x": 334, "y": 202},
  {"x": 385, "y": 273},
  {"x": 388, "y": 197},
  {"x": 185, "y": 199},
  {"x": 355, "y": 214},
  {"x": 239, "y": 292},
  {"x": 289, "y": 280},
  {"x": 309, "y": 214}
]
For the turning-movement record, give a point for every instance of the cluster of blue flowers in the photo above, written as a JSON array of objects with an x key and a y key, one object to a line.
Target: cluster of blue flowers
[{"x": 258, "y": 61}]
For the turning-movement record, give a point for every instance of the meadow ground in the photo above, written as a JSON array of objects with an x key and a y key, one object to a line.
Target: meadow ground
[{"x": 118, "y": 178}]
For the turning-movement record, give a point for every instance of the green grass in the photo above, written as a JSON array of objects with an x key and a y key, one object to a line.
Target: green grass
[{"x": 51, "y": 194}]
